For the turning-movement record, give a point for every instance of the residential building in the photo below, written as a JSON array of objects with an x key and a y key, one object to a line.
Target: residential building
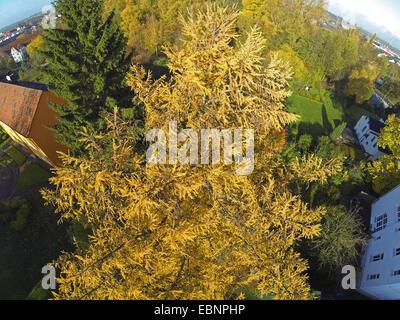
[
  {"x": 18, "y": 55},
  {"x": 368, "y": 130},
  {"x": 25, "y": 115},
  {"x": 380, "y": 278}
]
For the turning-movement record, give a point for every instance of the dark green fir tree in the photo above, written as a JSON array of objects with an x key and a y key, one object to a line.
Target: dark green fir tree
[{"x": 87, "y": 64}]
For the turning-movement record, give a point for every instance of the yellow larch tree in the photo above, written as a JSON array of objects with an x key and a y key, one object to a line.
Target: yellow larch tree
[{"x": 175, "y": 231}]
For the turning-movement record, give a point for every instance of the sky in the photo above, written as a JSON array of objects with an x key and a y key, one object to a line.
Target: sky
[
  {"x": 376, "y": 16},
  {"x": 12, "y": 11}
]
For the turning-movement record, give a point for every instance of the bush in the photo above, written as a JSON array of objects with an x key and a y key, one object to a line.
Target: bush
[
  {"x": 337, "y": 132},
  {"x": 305, "y": 142},
  {"x": 23, "y": 208}
]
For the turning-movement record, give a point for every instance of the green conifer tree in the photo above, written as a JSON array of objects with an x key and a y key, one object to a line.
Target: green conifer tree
[{"x": 87, "y": 63}]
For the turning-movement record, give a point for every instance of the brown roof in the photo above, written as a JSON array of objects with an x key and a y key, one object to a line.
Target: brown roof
[{"x": 18, "y": 106}]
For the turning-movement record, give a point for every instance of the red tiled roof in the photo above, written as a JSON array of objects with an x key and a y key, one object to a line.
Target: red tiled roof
[{"x": 18, "y": 106}]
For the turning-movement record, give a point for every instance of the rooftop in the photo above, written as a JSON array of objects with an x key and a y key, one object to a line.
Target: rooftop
[
  {"x": 18, "y": 104},
  {"x": 375, "y": 125}
]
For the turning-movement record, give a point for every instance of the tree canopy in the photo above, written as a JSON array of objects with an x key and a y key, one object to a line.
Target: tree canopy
[
  {"x": 193, "y": 231},
  {"x": 87, "y": 65}
]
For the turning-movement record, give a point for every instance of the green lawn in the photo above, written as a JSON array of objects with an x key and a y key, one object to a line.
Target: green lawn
[
  {"x": 316, "y": 118},
  {"x": 32, "y": 175},
  {"x": 16, "y": 155}
]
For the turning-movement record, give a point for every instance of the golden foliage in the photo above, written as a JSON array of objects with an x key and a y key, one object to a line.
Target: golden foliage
[{"x": 193, "y": 231}]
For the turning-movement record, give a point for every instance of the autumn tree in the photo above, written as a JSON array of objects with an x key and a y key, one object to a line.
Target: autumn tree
[
  {"x": 151, "y": 24},
  {"x": 339, "y": 243},
  {"x": 187, "y": 231},
  {"x": 330, "y": 54},
  {"x": 286, "y": 53},
  {"x": 385, "y": 172},
  {"x": 369, "y": 68},
  {"x": 282, "y": 21}
]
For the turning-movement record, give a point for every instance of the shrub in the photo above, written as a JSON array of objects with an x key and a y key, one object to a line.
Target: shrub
[
  {"x": 305, "y": 142},
  {"x": 336, "y": 133},
  {"x": 23, "y": 208}
]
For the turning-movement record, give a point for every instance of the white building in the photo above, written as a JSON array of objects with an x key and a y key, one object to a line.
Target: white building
[
  {"x": 380, "y": 277},
  {"x": 18, "y": 55},
  {"x": 368, "y": 131}
]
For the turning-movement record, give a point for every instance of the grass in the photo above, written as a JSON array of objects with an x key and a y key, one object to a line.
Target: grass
[
  {"x": 316, "y": 118},
  {"x": 32, "y": 175},
  {"x": 16, "y": 155}
]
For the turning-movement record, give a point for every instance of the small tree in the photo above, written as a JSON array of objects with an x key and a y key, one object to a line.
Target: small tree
[{"x": 340, "y": 240}]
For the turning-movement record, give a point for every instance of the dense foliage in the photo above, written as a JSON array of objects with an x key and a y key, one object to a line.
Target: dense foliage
[{"x": 87, "y": 65}]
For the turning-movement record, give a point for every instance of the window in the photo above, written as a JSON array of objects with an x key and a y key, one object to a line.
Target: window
[
  {"x": 374, "y": 145},
  {"x": 396, "y": 273},
  {"x": 380, "y": 222},
  {"x": 365, "y": 128},
  {"x": 376, "y": 257},
  {"x": 373, "y": 276},
  {"x": 397, "y": 251},
  {"x": 398, "y": 214}
]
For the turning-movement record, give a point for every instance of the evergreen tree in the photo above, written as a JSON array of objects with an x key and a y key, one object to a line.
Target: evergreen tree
[{"x": 87, "y": 65}]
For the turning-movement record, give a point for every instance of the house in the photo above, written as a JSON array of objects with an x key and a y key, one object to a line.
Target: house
[
  {"x": 25, "y": 115},
  {"x": 380, "y": 278},
  {"x": 368, "y": 130},
  {"x": 18, "y": 55}
]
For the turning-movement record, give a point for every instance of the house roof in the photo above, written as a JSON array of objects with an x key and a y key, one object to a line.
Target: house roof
[
  {"x": 18, "y": 104},
  {"x": 375, "y": 125}
]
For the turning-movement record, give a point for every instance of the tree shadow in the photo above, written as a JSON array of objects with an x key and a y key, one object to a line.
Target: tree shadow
[
  {"x": 315, "y": 129},
  {"x": 327, "y": 126}
]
